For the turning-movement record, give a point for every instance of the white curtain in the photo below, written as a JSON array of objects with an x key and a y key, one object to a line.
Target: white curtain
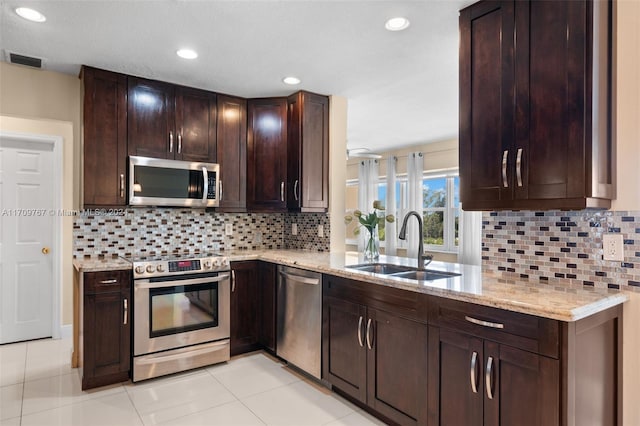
[
  {"x": 470, "y": 238},
  {"x": 391, "y": 233},
  {"x": 368, "y": 177},
  {"x": 415, "y": 165}
]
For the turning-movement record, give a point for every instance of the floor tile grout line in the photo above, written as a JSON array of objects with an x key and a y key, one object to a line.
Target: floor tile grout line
[
  {"x": 24, "y": 377},
  {"x": 133, "y": 404},
  {"x": 257, "y": 393}
]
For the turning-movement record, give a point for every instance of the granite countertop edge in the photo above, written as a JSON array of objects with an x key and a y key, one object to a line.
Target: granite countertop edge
[{"x": 523, "y": 296}]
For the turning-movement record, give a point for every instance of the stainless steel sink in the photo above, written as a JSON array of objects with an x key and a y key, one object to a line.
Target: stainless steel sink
[
  {"x": 381, "y": 268},
  {"x": 401, "y": 271},
  {"x": 426, "y": 275}
]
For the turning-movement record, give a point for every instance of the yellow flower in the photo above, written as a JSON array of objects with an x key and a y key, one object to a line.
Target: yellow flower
[
  {"x": 357, "y": 213},
  {"x": 377, "y": 204},
  {"x": 390, "y": 218},
  {"x": 348, "y": 219}
]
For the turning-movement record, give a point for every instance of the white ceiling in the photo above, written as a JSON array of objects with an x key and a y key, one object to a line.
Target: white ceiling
[{"x": 402, "y": 87}]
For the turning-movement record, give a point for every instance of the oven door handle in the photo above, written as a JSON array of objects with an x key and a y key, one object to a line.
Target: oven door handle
[
  {"x": 148, "y": 284},
  {"x": 212, "y": 347}
]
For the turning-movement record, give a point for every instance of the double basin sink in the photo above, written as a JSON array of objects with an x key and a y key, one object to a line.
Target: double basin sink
[{"x": 401, "y": 271}]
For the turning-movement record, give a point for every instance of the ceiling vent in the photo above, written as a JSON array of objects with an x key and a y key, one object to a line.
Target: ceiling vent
[{"x": 28, "y": 61}]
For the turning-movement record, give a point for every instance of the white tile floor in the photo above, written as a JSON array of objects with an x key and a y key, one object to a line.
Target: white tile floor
[{"x": 39, "y": 387}]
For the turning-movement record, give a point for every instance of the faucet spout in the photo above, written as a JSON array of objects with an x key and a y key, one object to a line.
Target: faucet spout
[{"x": 403, "y": 236}]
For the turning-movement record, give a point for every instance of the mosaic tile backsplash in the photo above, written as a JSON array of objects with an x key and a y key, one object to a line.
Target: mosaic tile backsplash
[
  {"x": 144, "y": 231},
  {"x": 560, "y": 245}
]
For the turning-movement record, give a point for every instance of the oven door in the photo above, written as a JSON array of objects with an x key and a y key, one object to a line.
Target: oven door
[{"x": 174, "y": 312}]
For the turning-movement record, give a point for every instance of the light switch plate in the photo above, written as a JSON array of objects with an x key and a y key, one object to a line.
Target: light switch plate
[
  {"x": 294, "y": 229},
  {"x": 228, "y": 229},
  {"x": 613, "y": 247}
]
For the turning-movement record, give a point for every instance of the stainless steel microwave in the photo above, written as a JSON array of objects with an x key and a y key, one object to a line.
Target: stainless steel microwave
[{"x": 157, "y": 182}]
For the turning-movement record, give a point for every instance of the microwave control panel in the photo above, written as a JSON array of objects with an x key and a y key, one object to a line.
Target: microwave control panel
[{"x": 211, "y": 193}]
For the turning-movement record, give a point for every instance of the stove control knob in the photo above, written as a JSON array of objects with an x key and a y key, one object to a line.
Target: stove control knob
[
  {"x": 160, "y": 268},
  {"x": 216, "y": 263},
  {"x": 139, "y": 270},
  {"x": 150, "y": 269},
  {"x": 206, "y": 264}
]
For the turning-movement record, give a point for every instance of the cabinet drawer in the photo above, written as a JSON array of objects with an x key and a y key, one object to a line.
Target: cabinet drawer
[
  {"x": 527, "y": 332},
  {"x": 106, "y": 281}
]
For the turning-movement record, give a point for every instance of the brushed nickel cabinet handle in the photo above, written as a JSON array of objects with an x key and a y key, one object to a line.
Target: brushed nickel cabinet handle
[
  {"x": 220, "y": 182},
  {"x": 484, "y": 323},
  {"x": 519, "y": 166},
  {"x": 233, "y": 281},
  {"x": 109, "y": 281},
  {"x": 126, "y": 312},
  {"x": 121, "y": 185},
  {"x": 170, "y": 141},
  {"x": 487, "y": 378},
  {"x": 180, "y": 142},
  {"x": 295, "y": 190},
  {"x": 360, "y": 332},
  {"x": 474, "y": 372},
  {"x": 369, "y": 339},
  {"x": 281, "y": 191},
  {"x": 505, "y": 155}
]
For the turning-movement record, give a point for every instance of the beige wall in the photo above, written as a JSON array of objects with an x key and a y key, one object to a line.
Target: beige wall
[
  {"x": 45, "y": 102},
  {"x": 65, "y": 130},
  {"x": 337, "y": 169}
]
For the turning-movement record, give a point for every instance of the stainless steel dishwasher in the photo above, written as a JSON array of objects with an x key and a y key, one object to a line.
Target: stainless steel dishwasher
[{"x": 299, "y": 326}]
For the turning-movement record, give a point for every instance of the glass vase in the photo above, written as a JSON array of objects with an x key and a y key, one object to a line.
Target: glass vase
[{"x": 372, "y": 246}]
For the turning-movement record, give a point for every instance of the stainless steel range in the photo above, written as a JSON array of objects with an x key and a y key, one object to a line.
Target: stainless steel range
[{"x": 181, "y": 313}]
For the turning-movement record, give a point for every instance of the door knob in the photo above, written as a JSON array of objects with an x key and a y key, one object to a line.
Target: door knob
[{"x": 45, "y": 250}]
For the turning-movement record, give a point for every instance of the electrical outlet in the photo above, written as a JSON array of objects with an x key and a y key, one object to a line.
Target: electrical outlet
[
  {"x": 320, "y": 231},
  {"x": 257, "y": 238},
  {"x": 228, "y": 229},
  {"x": 294, "y": 229},
  {"x": 613, "y": 247}
]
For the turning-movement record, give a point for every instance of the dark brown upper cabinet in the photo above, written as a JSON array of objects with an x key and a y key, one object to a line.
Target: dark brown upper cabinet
[
  {"x": 308, "y": 152},
  {"x": 267, "y": 154},
  {"x": 232, "y": 153},
  {"x": 535, "y": 105},
  {"x": 195, "y": 125},
  {"x": 167, "y": 121},
  {"x": 105, "y": 137}
]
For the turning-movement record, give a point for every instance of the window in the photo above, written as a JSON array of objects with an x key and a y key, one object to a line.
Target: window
[{"x": 441, "y": 212}]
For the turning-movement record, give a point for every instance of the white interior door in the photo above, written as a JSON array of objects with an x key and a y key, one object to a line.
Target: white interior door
[{"x": 26, "y": 237}]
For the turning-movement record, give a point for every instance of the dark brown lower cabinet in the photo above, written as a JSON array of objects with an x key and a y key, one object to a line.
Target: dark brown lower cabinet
[
  {"x": 487, "y": 383},
  {"x": 245, "y": 292},
  {"x": 252, "y": 306},
  {"x": 106, "y": 328},
  {"x": 377, "y": 357}
]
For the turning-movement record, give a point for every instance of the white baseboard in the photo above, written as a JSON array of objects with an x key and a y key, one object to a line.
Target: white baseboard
[{"x": 66, "y": 331}]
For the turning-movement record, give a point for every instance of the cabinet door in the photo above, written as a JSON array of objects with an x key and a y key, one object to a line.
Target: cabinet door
[
  {"x": 105, "y": 137},
  {"x": 551, "y": 99},
  {"x": 195, "y": 125},
  {"x": 267, "y": 321},
  {"x": 397, "y": 367},
  {"x": 244, "y": 306},
  {"x": 455, "y": 379},
  {"x": 232, "y": 153},
  {"x": 344, "y": 349},
  {"x": 521, "y": 388},
  {"x": 308, "y": 152},
  {"x": 151, "y": 119},
  {"x": 107, "y": 331},
  {"x": 486, "y": 104},
  {"x": 267, "y": 154}
]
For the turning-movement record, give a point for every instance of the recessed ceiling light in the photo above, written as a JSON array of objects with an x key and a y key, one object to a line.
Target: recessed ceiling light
[
  {"x": 30, "y": 14},
  {"x": 291, "y": 80},
  {"x": 397, "y": 24},
  {"x": 187, "y": 53}
]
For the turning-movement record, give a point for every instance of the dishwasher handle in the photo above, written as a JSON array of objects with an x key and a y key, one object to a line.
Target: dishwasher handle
[{"x": 299, "y": 279}]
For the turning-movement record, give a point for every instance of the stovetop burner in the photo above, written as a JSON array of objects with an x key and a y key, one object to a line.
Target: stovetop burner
[{"x": 159, "y": 265}]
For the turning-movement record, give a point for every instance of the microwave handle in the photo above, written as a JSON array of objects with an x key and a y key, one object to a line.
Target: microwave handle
[{"x": 205, "y": 174}]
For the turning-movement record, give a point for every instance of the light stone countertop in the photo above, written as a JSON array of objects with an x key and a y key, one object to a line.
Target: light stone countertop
[
  {"x": 95, "y": 264},
  {"x": 557, "y": 301}
]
